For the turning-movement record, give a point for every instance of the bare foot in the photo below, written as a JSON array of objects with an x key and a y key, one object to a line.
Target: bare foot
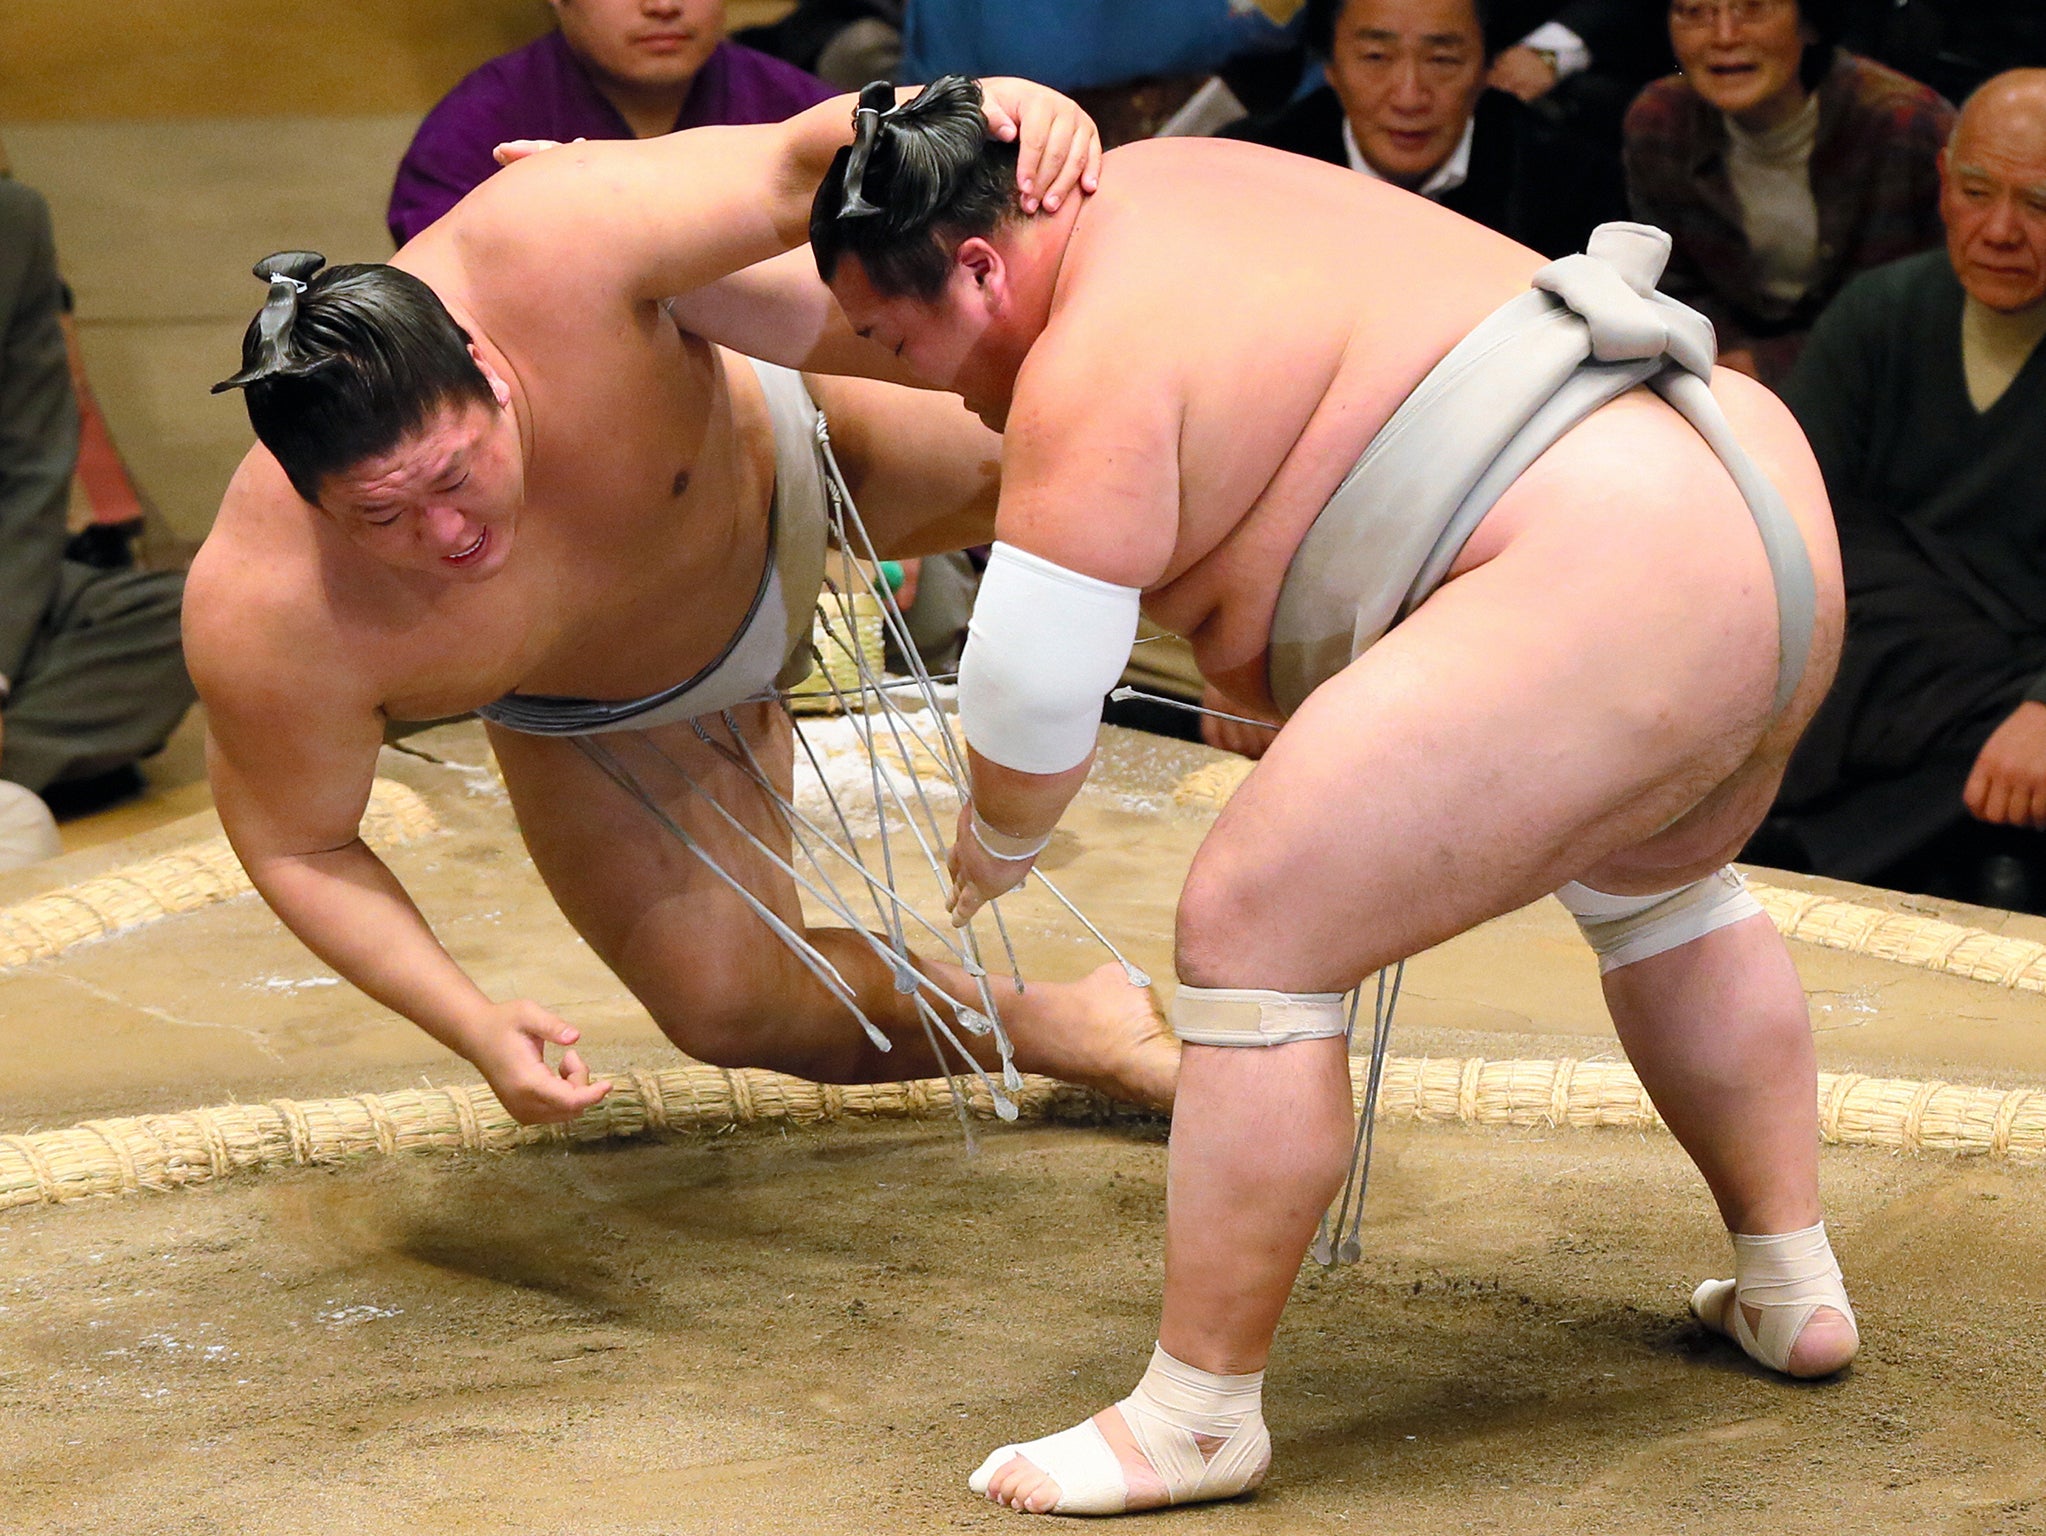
[
  {"x": 1100, "y": 1032},
  {"x": 1021, "y": 1484},
  {"x": 1824, "y": 1345}
]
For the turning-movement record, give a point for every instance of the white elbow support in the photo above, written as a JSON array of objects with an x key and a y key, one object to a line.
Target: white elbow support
[
  {"x": 1624, "y": 929},
  {"x": 1043, "y": 647},
  {"x": 1252, "y": 1016}
]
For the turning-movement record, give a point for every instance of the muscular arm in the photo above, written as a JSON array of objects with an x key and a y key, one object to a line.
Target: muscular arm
[
  {"x": 1090, "y": 484},
  {"x": 781, "y": 312},
  {"x": 651, "y": 218},
  {"x": 292, "y": 741}
]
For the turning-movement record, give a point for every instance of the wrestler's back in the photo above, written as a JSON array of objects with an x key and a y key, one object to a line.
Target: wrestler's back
[{"x": 1287, "y": 358}]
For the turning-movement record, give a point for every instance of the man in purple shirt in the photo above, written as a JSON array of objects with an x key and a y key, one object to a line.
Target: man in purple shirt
[{"x": 616, "y": 69}]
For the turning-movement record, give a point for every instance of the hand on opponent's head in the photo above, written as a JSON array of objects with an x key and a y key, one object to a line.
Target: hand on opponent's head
[{"x": 1058, "y": 146}]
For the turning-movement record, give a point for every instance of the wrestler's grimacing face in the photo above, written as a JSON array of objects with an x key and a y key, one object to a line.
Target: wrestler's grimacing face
[
  {"x": 647, "y": 43},
  {"x": 444, "y": 502},
  {"x": 1408, "y": 73}
]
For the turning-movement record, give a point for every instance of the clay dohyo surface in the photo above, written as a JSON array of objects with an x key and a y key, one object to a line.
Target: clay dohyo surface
[{"x": 823, "y": 1330}]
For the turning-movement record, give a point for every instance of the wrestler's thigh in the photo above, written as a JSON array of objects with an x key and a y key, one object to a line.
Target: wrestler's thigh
[
  {"x": 674, "y": 932},
  {"x": 1537, "y": 714}
]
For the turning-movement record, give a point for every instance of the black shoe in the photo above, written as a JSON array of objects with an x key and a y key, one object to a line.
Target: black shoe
[{"x": 82, "y": 797}]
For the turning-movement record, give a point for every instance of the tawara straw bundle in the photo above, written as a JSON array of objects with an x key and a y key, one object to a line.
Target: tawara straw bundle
[
  {"x": 109, "y": 1157},
  {"x": 182, "y": 880}
]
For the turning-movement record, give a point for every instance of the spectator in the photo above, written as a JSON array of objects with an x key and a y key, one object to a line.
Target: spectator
[
  {"x": 92, "y": 676},
  {"x": 1406, "y": 102},
  {"x": 1925, "y": 400},
  {"x": 614, "y": 69},
  {"x": 1781, "y": 165},
  {"x": 1583, "y": 61}
]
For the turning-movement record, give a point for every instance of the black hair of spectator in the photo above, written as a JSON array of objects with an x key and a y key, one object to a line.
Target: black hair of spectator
[
  {"x": 1318, "y": 26},
  {"x": 374, "y": 355},
  {"x": 935, "y": 179},
  {"x": 1824, "y": 19}
]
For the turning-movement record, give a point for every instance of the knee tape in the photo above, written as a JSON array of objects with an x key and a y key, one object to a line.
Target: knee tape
[
  {"x": 1624, "y": 929},
  {"x": 1252, "y": 1016}
]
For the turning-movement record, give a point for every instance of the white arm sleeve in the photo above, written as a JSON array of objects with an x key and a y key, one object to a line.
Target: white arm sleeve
[{"x": 1044, "y": 645}]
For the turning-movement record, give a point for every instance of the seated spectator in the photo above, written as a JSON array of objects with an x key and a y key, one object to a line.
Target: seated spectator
[
  {"x": 1582, "y": 61},
  {"x": 1781, "y": 165},
  {"x": 614, "y": 69},
  {"x": 92, "y": 675},
  {"x": 1924, "y": 395},
  {"x": 1406, "y": 102}
]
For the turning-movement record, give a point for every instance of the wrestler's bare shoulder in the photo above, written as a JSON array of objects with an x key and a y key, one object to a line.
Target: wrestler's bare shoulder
[
  {"x": 259, "y": 597},
  {"x": 1289, "y": 306}
]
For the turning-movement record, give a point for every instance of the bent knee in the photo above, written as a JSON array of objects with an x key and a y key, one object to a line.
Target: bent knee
[
  {"x": 723, "y": 1013},
  {"x": 1222, "y": 935}
]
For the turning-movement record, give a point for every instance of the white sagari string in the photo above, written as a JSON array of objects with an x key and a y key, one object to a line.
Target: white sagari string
[
  {"x": 904, "y": 714},
  {"x": 1338, "y": 1241}
]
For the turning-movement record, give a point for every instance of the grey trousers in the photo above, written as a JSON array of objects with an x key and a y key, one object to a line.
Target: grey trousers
[{"x": 104, "y": 680}]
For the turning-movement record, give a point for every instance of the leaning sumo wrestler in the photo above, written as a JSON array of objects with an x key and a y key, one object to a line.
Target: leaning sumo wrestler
[
  {"x": 1542, "y": 600},
  {"x": 506, "y": 472}
]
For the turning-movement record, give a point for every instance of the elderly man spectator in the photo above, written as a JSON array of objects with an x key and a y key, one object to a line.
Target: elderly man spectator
[
  {"x": 1924, "y": 396},
  {"x": 1781, "y": 165},
  {"x": 1406, "y": 102},
  {"x": 613, "y": 69},
  {"x": 92, "y": 675}
]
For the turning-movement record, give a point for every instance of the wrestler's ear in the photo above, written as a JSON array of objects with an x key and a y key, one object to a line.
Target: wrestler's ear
[
  {"x": 982, "y": 263},
  {"x": 499, "y": 390}
]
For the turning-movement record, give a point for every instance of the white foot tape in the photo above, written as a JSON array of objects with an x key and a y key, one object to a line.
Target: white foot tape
[
  {"x": 1787, "y": 1277},
  {"x": 1172, "y": 1404}
]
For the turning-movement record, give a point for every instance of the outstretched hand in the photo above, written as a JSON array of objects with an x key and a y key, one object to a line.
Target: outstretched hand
[
  {"x": 512, "y": 1056},
  {"x": 1058, "y": 146}
]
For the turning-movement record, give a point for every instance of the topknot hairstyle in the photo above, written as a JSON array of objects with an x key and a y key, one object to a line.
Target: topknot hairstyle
[
  {"x": 343, "y": 364},
  {"x": 918, "y": 179}
]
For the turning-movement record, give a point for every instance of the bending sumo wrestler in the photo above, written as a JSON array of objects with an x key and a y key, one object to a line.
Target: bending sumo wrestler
[
  {"x": 1530, "y": 626},
  {"x": 508, "y": 473}
]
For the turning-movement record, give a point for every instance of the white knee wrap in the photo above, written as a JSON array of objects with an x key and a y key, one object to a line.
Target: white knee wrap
[
  {"x": 1624, "y": 929},
  {"x": 1253, "y": 1016}
]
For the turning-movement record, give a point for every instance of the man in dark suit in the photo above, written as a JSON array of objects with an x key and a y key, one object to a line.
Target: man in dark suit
[{"x": 1406, "y": 102}]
